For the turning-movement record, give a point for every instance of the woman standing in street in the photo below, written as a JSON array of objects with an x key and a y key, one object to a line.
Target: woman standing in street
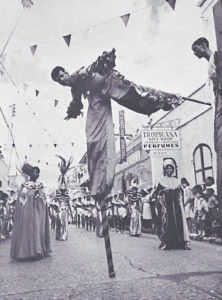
[
  {"x": 31, "y": 236},
  {"x": 172, "y": 226}
]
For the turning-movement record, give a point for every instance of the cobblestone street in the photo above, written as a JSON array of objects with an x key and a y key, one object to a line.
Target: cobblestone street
[{"x": 77, "y": 269}]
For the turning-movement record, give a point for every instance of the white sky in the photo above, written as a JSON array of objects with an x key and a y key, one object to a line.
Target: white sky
[{"x": 153, "y": 50}]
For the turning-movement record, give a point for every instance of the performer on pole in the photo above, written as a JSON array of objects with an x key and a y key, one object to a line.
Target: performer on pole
[
  {"x": 101, "y": 79},
  {"x": 100, "y": 83}
]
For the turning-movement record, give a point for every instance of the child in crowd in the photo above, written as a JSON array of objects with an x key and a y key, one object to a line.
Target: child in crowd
[
  {"x": 200, "y": 210},
  {"x": 188, "y": 201}
]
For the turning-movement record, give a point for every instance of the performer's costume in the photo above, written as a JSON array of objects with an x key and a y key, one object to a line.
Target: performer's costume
[
  {"x": 135, "y": 205},
  {"x": 62, "y": 200},
  {"x": 31, "y": 236},
  {"x": 172, "y": 226},
  {"x": 100, "y": 83}
]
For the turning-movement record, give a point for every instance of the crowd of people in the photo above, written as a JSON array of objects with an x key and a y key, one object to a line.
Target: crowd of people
[
  {"x": 201, "y": 209},
  {"x": 171, "y": 209},
  {"x": 193, "y": 210}
]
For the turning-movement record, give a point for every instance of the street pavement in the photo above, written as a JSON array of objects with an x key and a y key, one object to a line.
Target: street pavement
[{"x": 77, "y": 269}]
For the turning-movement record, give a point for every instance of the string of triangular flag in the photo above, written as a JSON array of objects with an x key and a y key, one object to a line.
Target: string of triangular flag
[
  {"x": 125, "y": 19},
  {"x": 40, "y": 122},
  {"x": 31, "y": 146},
  {"x": 37, "y": 92}
]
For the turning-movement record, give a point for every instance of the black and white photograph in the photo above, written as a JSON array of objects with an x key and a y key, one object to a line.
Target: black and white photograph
[{"x": 110, "y": 149}]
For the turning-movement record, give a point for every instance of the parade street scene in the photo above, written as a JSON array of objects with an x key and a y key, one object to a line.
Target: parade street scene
[{"x": 110, "y": 149}]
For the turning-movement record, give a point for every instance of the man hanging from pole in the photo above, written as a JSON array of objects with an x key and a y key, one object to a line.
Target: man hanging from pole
[
  {"x": 202, "y": 50},
  {"x": 100, "y": 83}
]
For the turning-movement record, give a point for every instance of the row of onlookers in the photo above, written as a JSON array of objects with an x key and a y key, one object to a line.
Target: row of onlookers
[{"x": 7, "y": 208}]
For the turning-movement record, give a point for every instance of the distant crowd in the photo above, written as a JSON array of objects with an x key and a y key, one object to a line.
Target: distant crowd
[{"x": 136, "y": 211}]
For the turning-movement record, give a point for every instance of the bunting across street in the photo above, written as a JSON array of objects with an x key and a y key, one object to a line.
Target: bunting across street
[{"x": 110, "y": 149}]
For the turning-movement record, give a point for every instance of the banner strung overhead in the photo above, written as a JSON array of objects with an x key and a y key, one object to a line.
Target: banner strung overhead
[{"x": 160, "y": 139}]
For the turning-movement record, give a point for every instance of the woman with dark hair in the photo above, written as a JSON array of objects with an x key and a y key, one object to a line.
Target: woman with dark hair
[
  {"x": 172, "y": 227},
  {"x": 31, "y": 236}
]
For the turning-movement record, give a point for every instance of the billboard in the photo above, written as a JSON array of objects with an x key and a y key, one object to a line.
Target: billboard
[{"x": 160, "y": 139}]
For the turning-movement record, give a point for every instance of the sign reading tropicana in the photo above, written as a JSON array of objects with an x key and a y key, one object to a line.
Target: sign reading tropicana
[{"x": 160, "y": 139}]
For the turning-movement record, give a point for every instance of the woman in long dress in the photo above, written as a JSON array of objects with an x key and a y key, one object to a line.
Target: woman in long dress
[
  {"x": 172, "y": 226},
  {"x": 31, "y": 236}
]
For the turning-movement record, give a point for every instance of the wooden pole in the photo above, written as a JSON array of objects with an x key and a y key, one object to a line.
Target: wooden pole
[
  {"x": 196, "y": 101},
  {"x": 107, "y": 240}
]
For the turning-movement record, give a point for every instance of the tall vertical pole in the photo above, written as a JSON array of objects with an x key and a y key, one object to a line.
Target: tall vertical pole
[
  {"x": 107, "y": 240},
  {"x": 122, "y": 136}
]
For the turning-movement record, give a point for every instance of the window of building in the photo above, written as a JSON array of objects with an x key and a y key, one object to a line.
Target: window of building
[{"x": 202, "y": 160}]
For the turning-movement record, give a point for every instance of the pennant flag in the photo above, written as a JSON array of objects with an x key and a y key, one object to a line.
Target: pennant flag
[
  {"x": 67, "y": 39},
  {"x": 55, "y": 145},
  {"x": 30, "y": 145},
  {"x": 27, "y": 3},
  {"x": 172, "y": 3},
  {"x": 25, "y": 86},
  {"x": 33, "y": 49},
  {"x": 56, "y": 103},
  {"x": 36, "y": 93},
  {"x": 125, "y": 19}
]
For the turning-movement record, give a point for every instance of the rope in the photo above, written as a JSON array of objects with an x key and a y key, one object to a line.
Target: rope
[{"x": 13, "y": 30}]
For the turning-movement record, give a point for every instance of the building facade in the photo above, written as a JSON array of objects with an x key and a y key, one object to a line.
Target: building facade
[{"x": 3, "y": 175}]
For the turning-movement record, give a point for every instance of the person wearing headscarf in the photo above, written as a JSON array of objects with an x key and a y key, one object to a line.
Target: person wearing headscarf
[
  {"x": 172, "y": 226},
  {"x": 31, "y": 235}
]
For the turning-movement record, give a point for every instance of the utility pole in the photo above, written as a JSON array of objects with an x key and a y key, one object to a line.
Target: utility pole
[{"x": 122, "y": 135}]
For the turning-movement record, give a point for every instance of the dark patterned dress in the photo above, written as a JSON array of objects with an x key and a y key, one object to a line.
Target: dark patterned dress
[{"x": 171, "y": 225}]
